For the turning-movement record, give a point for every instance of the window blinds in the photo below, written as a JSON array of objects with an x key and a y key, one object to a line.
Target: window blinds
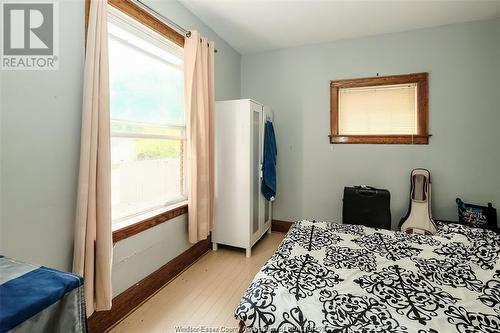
[{"x": 378, "y": 110}]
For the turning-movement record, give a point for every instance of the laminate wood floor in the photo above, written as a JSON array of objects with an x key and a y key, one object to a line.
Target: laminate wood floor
[{"x": 205, "y": 294}]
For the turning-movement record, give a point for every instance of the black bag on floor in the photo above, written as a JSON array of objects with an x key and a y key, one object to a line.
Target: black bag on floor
[
  {"x": 367, "y": 206},
  {"x": 477, "y": 216}
]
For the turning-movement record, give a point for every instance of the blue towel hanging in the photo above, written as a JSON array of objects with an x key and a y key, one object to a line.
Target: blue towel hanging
[{"x": 268, "y": 186}]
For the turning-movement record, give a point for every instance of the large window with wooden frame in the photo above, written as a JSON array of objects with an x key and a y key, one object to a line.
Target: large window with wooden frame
[
  {"x": 380, "y": 110},
  {"x": 148, "y": 129}
]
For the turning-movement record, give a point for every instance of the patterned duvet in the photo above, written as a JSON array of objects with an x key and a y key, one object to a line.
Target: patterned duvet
[{"x": 328, "y": 277}]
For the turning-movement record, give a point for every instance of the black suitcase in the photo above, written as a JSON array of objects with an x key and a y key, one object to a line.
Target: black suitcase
[{"x": 367, "y": 206}]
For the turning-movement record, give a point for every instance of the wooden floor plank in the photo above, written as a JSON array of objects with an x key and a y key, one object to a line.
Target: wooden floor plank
[{"x": 205, "y": 294}]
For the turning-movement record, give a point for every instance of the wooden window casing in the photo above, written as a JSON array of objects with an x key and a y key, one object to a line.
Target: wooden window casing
[
  {"x": 131, "y": 9},
  {"x": 422, "y": 135},
  {"x": 135, "y": 228}
]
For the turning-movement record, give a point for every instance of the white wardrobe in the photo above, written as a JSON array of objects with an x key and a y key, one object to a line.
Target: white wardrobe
[{"x": 242, "y": 214}]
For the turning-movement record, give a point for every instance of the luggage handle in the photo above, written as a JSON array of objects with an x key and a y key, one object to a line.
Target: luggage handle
[
  {"x": 367, "y": 193},
  {"x": 365, "y": 187},
  {"x": 366, "y": 190}
]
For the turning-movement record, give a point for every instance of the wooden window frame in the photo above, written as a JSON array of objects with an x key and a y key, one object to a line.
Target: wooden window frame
[
  {"x": 135, "y": 228},
  {"x": 422, "y": 136},
  {"x": 130, "y": 8},
  {"x": 139, "y": 14}
]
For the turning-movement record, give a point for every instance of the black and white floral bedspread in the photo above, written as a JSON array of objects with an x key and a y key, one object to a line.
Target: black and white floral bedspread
[{"x": 328, "y": 277}]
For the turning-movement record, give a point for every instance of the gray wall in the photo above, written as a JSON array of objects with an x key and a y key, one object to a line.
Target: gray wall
[
  {"x": 40, "y": 137},
  {"x": 463, "y": 156},
  {"x": 40, "y": 140}
]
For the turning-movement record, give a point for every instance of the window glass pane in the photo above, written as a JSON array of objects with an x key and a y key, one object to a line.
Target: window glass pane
[
  {"x": 379, "y": 110},
  {"x": 145, "y": 174},
  {"x": 143, "y": 87},
  {"x": 147, "y": 118}
]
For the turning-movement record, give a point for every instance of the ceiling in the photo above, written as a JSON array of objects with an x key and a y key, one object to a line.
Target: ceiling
[{"x": 257, "y": 25}]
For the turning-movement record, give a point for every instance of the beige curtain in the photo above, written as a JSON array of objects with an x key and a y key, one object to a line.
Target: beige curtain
[
  {"x": 92, "y": 256},
  {"x": 199, "y": 106}
]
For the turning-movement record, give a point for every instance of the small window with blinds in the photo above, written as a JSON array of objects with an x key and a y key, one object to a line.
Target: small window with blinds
[{"x": 380, "y": 110}]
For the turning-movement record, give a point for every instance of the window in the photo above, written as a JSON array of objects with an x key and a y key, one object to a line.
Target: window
[
  {"x": 148, "y": 130},
  {"x": 390, "y": 109}
]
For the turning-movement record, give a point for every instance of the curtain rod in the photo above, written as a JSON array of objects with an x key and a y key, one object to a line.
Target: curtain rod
[{"x": 163, "y": 19}]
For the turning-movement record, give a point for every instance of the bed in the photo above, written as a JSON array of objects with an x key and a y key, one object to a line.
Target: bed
[{"x": 327, "y": 277}]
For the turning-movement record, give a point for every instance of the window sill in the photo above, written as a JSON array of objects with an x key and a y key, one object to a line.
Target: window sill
[
  {"x": 139, "y": 224},
  {"x": 380, "y": 139}
]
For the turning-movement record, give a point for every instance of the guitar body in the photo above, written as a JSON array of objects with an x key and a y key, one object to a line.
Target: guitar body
[{"x": 419, "y": 220}]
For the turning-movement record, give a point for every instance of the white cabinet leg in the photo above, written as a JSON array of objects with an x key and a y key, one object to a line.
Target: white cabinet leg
[
  {"x": 269, "y": 230},
  {"x": 248, "y": 252},
  {"x": 214, "y": 246}
]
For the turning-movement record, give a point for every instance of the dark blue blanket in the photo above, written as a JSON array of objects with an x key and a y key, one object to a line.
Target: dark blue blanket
[{"x": 24, "y": 296}]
